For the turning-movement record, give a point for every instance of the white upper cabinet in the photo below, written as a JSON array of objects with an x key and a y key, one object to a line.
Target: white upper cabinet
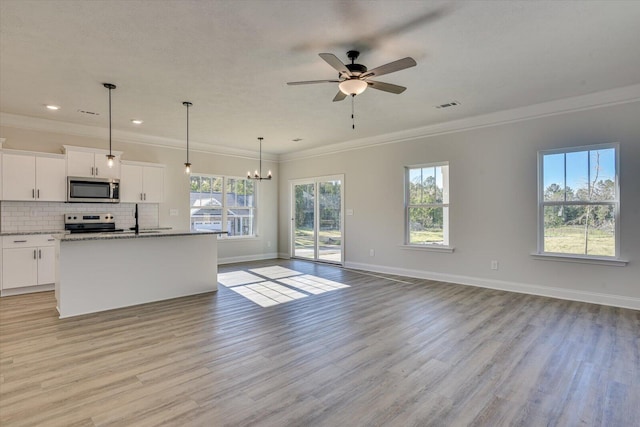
[
  {"x": 18, "y": 177},
  {"x": 33, "y": 177},
  {"x": 51, "y": 179},
  {"x": 153, "y": 184},
  {"x": 91, "y": 163},
  {"x": 141, "y": 183}
]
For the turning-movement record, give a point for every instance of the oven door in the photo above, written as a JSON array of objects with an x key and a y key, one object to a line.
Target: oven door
[{"x": 92, "y": 190}]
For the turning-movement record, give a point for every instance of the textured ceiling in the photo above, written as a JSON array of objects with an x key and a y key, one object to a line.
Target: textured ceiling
[{"x": 232, "y": 59}]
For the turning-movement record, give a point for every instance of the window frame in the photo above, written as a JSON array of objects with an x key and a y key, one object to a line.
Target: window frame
[
  {"x": 446, "y": 226},
  {"x": 542, "y": 203},
  {"x": 225, "y": 207}
]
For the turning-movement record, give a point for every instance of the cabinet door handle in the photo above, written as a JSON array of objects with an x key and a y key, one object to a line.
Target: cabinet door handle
[
  {"x": 19, "y": 241},
  {"x": 145, "y": 196},
  {"x": 140, "y": 196},
  {"x": 91, "y": 170},
  {"x": 34, "y": 254},
  {"x": 33, "y": 193},
  {"x": 39, "y": 253},
  {"x": 38, "y": 194},
  {"x": 96, "y": 171}
]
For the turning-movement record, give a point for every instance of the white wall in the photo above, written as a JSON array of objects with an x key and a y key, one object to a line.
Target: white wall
[
  {"x": 493, "y": 214},
  {"x": 176, "y": 183}
]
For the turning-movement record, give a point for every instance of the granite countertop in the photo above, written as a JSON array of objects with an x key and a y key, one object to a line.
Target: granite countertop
[
  {"x": 34, "y": 233},
  {"x": 131, "y": 235},
  {"x": 31, "y": 233}
]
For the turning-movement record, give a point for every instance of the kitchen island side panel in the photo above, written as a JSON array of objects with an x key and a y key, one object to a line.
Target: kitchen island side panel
[{"x": 98, "y": 275}]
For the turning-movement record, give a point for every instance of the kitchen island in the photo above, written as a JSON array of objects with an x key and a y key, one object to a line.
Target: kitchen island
[{"x": 104, "y": 271}]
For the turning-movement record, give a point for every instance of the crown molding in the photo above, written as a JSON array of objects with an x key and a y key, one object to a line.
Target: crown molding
[
  {"x": 47, "y": 125},
  {"x": 623, "y": 95}
]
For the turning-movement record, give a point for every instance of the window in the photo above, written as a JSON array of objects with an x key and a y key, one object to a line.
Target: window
[
  {"x": 223, "y": 204},
  {"x": 578, "y": 201},
  {"x": 427, "y": 205}
]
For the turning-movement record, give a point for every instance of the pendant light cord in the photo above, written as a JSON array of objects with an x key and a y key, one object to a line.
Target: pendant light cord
[
  {"x": 187, "y": 133},
  {"x": 110, "y": 121},
  {"x": 260, "y": 165}
]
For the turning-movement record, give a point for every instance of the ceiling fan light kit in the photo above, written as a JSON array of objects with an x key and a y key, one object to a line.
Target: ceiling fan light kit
[{"x": 352, "y": 87}]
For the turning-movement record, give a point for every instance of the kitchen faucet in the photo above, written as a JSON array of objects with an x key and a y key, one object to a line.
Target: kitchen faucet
[{"x": 137, "y": 226}]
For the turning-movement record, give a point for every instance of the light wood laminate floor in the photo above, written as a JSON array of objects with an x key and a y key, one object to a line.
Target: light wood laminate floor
[{"x": 385, "y": 351}]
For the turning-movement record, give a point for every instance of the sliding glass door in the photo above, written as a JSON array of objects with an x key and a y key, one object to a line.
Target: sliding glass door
[{"x": 317, "y": 212}]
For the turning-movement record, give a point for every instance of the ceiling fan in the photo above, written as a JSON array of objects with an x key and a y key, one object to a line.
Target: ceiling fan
[{"x": 354, "y": 78}]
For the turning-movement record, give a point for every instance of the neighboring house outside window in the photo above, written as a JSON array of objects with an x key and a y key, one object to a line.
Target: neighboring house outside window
[
  {"x": 579, "y": 201},
  {"x": 223, "y": 203},
  {"x": 427, "y": 204}
]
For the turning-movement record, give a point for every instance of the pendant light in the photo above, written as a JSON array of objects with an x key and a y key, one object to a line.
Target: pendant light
[
  {"x": 187, "y": 165},
  {"x": 110, "y": 156},
  {"x": 258, "y": 173}
]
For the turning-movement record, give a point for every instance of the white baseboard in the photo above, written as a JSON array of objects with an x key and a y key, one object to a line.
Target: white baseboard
[
  {"x": 283, "y": 255},
  {"x": 245, "y": 258},
  {"x": 27, "y": 290},
  {"x": 523, "y": 288}
]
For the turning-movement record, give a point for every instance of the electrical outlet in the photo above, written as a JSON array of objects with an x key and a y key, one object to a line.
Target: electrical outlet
[
  {"x": 372, "y": 252},
  {"x": 173, "y": 212},
  {"x": 349, "y": 212},
  {"x": 494, "y": 264}
]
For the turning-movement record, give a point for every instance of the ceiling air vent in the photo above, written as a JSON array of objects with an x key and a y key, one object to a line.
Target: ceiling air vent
[
  {"x": 448, "y": 105},
  {"x": 88, "y": 112}
]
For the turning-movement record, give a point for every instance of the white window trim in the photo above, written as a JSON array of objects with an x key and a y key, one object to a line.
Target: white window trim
[
  {"x": 540, "y": 254},
  {"x": 226, "y": 236},
  {"x": 432, "y": 247}
]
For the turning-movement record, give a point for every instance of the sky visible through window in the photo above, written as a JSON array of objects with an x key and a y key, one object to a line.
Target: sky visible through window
[{"x": 577, "y": 168}]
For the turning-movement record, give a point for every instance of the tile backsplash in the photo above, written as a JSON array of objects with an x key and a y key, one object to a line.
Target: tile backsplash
[{"x": 44, "y": 216}]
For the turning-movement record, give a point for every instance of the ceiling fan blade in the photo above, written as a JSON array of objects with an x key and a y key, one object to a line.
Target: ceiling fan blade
[
  {"x": 339, "y": 96},
  {"x": 333, "y": 60},
  {"x": 391, "y": 67},
  {"x": 386, "y": 87},
  {"x": 310, "y": 82}
]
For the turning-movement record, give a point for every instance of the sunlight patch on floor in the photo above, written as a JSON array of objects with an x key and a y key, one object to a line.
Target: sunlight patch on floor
[
  {"x": 313, "y": 284},
  {"x": 235, "y": 278},
  {"x": 267, "y": 294},
  {"x": 282, "y": 285}
]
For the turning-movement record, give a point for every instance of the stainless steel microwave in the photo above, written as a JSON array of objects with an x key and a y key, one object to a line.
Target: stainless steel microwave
[{"x": 93, "y": 190}]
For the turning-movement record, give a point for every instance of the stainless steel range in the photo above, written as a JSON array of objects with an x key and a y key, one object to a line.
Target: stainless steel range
[{"x": 90, "y": 223}]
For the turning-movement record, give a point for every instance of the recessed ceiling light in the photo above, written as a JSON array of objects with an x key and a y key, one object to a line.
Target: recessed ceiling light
[
  {"x": 136, "y": 121},
  {"x": 52, "y": 107}
]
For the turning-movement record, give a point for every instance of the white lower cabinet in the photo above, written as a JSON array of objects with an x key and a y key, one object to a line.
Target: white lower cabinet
[{"x": 28, "y": 261}]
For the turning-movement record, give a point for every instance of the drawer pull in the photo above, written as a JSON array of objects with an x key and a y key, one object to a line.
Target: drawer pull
[
  {"x": 19, "y": 241},
  {"x": 34, "y": 254}
]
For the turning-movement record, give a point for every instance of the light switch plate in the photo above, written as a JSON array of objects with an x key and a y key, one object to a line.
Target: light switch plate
[{"x": 173, "y": 212}]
